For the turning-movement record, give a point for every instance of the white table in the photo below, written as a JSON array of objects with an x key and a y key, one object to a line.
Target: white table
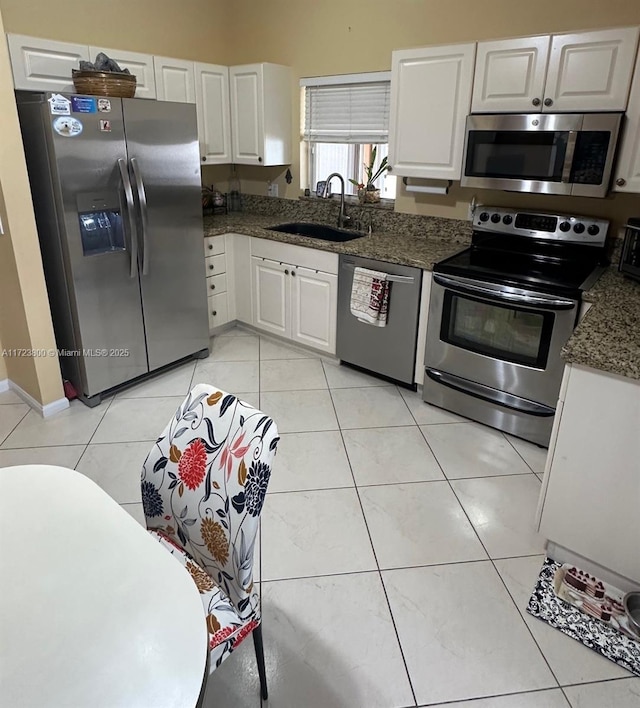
[{"x": 93, "y": 611}]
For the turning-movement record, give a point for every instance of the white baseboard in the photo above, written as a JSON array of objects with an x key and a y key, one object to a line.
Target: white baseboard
[
  {"x": 4, "y": 385},
  {"x": 45, "y": 411}
]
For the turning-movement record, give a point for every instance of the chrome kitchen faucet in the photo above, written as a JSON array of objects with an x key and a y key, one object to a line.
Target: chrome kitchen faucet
[{"x": 343, "y": 219}]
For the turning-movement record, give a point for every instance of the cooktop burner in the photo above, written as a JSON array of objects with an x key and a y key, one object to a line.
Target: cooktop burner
[{"x": 551, "y": 253}]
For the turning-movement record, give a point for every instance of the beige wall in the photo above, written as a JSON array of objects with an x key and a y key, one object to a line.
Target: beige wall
[
  {"x": 188, "y": 29},
  {"x": 25, "y": 318},
  {"x": 3, "y": 368},
  {"x": 327, "y": 37}
]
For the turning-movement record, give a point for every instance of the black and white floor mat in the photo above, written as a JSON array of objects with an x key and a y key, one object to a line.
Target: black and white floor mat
[{"x": 587, "y": 609}]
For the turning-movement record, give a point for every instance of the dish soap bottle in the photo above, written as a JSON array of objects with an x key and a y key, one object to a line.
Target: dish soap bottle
[{"x": 235, "y": 197}]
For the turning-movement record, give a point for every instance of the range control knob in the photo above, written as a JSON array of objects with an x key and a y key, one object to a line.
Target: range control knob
[
  {"x": 578, "y": 228},
  {"x": 565, "y": 226},
  {"x": 593, "y": 230},
  {"x": 495, "y": 218},
  {"x": 484, "y": 216},
  {"x": 507, "y": 219}
]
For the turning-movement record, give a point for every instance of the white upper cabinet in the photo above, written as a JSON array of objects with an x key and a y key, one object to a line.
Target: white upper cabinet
[
  {"x": 430, "y": 99},
  {"x": 42, "y": 64},
  {"x": 141, "y": 65},
  {"x": 627, "y": 172},
  {"x": 585, "y": 71},
  {"x": 590, "y": 71},
  {"x": 214, "y": 120},
  {"x": 510, "y": 75},
  {"x": 175, "y": 80},
  {"x": 261, "y": 106}
]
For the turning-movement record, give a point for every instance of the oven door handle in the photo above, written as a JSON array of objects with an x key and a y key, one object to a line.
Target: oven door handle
[
  {"x": 504, "y": 293},
  {"x": 485, "y": 393}
]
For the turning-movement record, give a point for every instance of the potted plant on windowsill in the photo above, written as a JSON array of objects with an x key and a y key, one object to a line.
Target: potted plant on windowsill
[{"x": 368, "y": 193}]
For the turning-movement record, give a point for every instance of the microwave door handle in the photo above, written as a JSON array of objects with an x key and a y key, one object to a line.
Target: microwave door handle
[
  {"x": 142, "y": 201},
  {"x": 541, "y": 301},
  {"x": 568, "y": 156},
  {"x": 128, "y": 195}
]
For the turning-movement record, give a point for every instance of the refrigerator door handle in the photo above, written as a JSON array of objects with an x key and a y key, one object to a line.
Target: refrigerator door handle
[
  {"x": 142, "y": 200},
  {"x": 128, "y": 194}
]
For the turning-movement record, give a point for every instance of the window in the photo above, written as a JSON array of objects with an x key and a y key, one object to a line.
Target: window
[{"x": 345, "y": 117}]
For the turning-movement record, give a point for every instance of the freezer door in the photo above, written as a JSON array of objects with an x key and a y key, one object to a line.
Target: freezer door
[
  {"x": 164, "y": 158},
  {"x": 98, "y": 242}
]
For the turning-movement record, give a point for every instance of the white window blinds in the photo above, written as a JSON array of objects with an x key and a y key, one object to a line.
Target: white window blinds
[{"x": 347, "y": 109}]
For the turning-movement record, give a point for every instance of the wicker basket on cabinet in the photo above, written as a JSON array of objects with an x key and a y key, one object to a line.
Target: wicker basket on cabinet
[{"x": 104, "y": 83}]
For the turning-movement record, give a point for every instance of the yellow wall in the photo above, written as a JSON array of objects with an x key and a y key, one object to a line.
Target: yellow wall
[
  {"x": 25, "y": 318},
  {"x": 188, "y": 29}
]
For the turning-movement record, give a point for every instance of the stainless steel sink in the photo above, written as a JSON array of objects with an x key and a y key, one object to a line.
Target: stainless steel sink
[{"x": 321, "y": 231}]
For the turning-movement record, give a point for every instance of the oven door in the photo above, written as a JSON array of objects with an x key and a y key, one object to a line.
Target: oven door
[{"x": 504, "y": 338}]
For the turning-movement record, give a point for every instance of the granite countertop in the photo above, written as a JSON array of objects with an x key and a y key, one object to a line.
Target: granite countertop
[
  {"x": 405, "y": 247},
  {"x": 608, "y": 337}
]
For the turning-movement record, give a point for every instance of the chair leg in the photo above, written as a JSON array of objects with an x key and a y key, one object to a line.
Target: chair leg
[{"x": 262, "y": 673}]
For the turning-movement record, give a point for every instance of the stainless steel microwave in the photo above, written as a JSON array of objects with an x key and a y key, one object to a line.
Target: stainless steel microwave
[{"x": 543, "y": 153}]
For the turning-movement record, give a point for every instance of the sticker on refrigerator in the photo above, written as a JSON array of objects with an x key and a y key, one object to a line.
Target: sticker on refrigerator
[
  {"x": 67, "y": 127},
  {"x": 82, "y": 104},
  {"x": 59, "y": 105},
  {"x": 104, "y": 105},
  {"x": 105, "y": 126}
]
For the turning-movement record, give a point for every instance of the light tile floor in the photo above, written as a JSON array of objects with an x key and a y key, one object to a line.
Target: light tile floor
[{"x": 397, "y": 544}]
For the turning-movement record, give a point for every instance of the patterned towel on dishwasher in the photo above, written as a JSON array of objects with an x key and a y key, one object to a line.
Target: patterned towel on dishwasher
[{"x": 370, "y": 296}]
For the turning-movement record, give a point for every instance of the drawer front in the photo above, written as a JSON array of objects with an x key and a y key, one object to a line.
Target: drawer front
[
  {"x": 213, "y": 245},
  {"x": 217, "y": 284},
  {"x": 218, "y": 310},
  {"x": 216, "y": 265},
  {"x": 295, "y": 255}
]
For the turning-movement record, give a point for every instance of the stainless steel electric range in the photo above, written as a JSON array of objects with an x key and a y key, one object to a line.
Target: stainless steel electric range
[{"x": 501, "y": 311}]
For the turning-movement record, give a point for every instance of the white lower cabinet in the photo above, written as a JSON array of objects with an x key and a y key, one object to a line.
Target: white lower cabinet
[
  {"x": 314, "y": 308},
  {"x": 591, "y": 490},
  {"x": 271, "y": 288},
  {"x": 219, "y": 281},
  {"x": 295, "y": 293}
]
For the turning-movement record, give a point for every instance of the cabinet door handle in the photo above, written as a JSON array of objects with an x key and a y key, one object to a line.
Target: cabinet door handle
[
  {"x": 204, "y": 158},
  {"x": 286, "y": 272},
  {"x": 210, "y": 247},
  {"x": 259, "y": 159},
  {"x": 621, "y": 182},
  {"x": 214, "y": 312},
  {"x": 293, "y": 272},
  {"x": 210, "y": 267},
  {"x": 213, "y": 287},
  {"x": 390, "y": 168},
  {"x": 548, "y": 102},
  {"x": 536, "y": 101}
]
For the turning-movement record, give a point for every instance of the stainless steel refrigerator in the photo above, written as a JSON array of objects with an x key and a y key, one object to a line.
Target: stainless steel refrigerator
[{"x": 116, "y": 191}]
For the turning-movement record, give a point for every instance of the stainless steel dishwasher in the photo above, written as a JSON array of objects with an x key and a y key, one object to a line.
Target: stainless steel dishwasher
[{"x": 391, "y": 350}]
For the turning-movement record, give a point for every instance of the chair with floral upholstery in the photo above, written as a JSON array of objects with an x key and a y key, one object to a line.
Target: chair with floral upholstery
[{"x": 203, "y": 486}]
